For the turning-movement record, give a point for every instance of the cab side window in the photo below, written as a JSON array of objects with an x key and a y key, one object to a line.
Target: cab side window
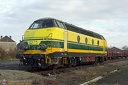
[{"x": 60, "y": 24}]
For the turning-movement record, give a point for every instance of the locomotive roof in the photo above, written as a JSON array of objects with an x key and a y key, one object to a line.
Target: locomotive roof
[{"x": 93, "y": 33}]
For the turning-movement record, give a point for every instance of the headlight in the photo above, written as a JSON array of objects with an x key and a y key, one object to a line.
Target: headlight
[{"x": 25, "y": 46}]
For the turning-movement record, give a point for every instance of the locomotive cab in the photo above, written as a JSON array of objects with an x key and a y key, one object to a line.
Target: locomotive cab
[{"x": 43, "y": 38}]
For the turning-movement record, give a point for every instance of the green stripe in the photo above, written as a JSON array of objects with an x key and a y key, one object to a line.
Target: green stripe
[
  {"x": 84, "y": 47},
  {"x": 53, "y": 44},
  {"x": 71, "y": 45}
]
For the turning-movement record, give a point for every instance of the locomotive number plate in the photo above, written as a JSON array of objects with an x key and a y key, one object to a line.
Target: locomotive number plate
[{"x": 33, "y": 42}]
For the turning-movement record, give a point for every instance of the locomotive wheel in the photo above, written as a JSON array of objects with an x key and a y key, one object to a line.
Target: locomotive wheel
[
  {"x": 101, "y": 59},
  {"x": 73, "y": 62},
  {"x": 105, "y": 58},
  {"x": 96, "y": 60}
]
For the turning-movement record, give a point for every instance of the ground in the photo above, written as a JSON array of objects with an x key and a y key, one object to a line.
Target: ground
[
  {"x": 69, "y": 77},
  {"x": 118, "y": 78}
]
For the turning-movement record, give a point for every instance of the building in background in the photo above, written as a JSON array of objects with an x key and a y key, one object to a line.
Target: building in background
[{"x": 7, "y": 43}]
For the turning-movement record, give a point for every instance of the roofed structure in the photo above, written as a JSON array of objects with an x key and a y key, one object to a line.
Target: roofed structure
[
  {"x": 7, "y": 43},
  {"x": 6, "y": 39}
]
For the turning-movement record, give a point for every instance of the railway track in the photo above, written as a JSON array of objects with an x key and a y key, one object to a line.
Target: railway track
[
  {"x": 115, "y": 60},
  {"x": 66, "y": 69}
]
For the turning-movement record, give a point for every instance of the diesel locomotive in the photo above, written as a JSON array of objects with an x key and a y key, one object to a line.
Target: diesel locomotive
[{"x": 49, "y": 42}]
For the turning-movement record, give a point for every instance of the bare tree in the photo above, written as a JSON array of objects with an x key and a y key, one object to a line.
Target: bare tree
[{"x": 125, "y": 47}]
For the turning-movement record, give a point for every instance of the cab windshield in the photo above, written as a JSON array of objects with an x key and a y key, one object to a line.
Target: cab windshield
[{"x": 43, "y": 23}]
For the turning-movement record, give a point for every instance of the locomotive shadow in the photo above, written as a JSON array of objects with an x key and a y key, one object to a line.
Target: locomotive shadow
[{"x": 12, "y": 65}]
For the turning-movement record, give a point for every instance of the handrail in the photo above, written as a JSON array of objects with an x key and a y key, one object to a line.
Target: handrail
[{"x": 49, "y": 35}]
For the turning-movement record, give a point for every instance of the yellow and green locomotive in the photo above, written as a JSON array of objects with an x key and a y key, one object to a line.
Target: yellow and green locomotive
[{"x": 51, "y": 42}]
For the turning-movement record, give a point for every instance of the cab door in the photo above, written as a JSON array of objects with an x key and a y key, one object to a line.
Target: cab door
[
  {"x": 65, "y": 40},
  {"x": 65, "y": 34}
]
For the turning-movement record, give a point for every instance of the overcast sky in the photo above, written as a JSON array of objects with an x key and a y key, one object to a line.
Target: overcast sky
[{"x": 106, "y": 17}]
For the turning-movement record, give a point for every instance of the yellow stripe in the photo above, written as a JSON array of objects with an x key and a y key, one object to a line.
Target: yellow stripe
[
  {"x": 34, "y": 52},
  {"x": 86, "y": 51}
]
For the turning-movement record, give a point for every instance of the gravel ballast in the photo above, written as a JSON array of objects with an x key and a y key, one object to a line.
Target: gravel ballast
[{"x": 71, "y": 77}]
